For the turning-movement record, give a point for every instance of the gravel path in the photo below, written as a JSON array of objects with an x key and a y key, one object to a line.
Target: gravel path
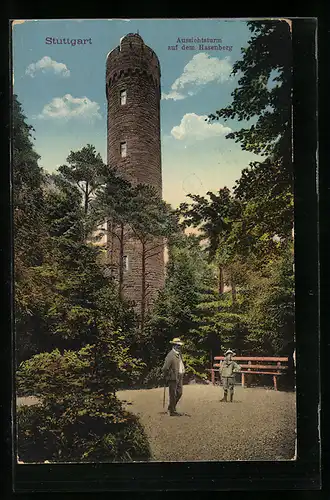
[{"x": 258, "y": 425}]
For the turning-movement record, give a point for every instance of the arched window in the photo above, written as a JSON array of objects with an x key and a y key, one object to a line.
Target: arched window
[
  {"x": 123, "y": 149},
  {"x": 123, "y": 97}
]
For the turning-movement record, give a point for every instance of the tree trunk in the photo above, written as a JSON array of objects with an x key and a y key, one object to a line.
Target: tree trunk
[
  {"x": 121, "y": 260},
  {"x": 143, "y": 286},
  {"x": 221, "y": 280},
  {"x": 86, "y": 199},
  {"x": 233, "y": 290},
  {"x": 111, "y": 225},
  {"x": 85, "y": 202}
]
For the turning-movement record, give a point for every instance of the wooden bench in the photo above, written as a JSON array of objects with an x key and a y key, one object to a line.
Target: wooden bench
[{"x": 255, "y": 365}]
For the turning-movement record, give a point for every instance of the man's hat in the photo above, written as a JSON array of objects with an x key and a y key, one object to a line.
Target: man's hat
[
  {"x": 176, "y": 341},
  {"x": 229, "y": 352}
]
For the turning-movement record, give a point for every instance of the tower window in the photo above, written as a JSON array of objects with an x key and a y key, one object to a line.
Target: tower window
[
  {"x": 123, "y": 96},
  {"x": 123, "y": 149},
  {"x": 125, "y": 262}
]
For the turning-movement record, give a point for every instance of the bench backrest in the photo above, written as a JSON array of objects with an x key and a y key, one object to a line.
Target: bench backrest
[{"x": 254, "y": 363}]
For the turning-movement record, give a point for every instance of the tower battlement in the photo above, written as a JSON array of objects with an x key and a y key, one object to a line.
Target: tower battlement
[{"x": 132, "y": 55}]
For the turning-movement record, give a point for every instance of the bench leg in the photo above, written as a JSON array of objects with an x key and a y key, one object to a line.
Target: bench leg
[
  {"x": 212, "y": 376},
  {"x": 243, "y": 379},
  {"x": 275, "y": 382}
]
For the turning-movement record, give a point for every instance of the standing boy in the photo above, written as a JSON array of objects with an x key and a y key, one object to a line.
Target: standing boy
[{"x": 227, "y": 371}]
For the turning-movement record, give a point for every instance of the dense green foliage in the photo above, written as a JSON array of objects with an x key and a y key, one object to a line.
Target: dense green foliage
[
  {"x": 85, "y": 171},
  {"x": 79, "y": 418},
  {"x": 188, "y": 275},
  {"x": 73, "y": 336},
  {"x": 265, "y": 188},
  {"x": 248, "y": 301}
]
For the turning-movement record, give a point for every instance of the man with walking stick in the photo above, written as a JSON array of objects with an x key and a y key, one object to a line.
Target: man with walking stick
[{"x": 173, "y": 371}]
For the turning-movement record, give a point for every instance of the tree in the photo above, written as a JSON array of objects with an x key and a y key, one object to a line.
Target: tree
[
  {"x": 58, "y": 298},
  {"x": 28, "y": 180},
  {"x": 264, "y": 94},
  {"x": 79, "y": 417},
  {"x": 73, "y": 335},
  {"x": 220, "y": 324},
  {"x": 63, "y": 213},
  {"x": 29, "y": 227},
  {"x": 188, "y": 275},
  {"x": 213, "y": 217},
  {"x": 270, "y": 315},
  {"x": 151, "y": 221},
  {"x": 133, "y": 213},
  {"x": 217, "y": 219},
  {"x": 264, "y": 90},
  {"x": 113, "y": 204},
  {"x": 265, "y": 188},
  {"x": 85, "y": 169},
  {"x": 82, "y": 352}
]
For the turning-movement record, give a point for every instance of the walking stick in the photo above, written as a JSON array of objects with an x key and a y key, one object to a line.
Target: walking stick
[{"x": 164, "y": 395}]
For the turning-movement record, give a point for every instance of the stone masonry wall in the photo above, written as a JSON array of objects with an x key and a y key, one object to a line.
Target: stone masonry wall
[{"x": 134, "y": 67}]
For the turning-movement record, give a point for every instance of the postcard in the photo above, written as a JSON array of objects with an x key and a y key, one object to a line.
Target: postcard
[{"x": 154, "y": 240}]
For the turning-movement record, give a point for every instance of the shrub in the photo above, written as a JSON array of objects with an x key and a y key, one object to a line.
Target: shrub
[
  {"x": 91, "y": 429},
  {"x": 79, "y": 417},
  {"x": 195, "y": 363},
  {"x": 154, "y": 377}
]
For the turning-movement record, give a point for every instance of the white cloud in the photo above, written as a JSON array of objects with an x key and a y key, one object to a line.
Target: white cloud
[
  {"x": 173, "y": 94},
  {"x": 46, "y": 64},
  {"x": 200, "y": 70},
  {"x": 67, "y": 107},
  {"x": 196, "y": 127}
]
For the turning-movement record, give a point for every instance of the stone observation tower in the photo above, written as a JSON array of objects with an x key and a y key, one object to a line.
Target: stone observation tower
[{"x": 133, "y": 147}]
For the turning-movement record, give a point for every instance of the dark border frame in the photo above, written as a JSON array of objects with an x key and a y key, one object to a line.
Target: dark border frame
[{"x": 302, "y": 474}]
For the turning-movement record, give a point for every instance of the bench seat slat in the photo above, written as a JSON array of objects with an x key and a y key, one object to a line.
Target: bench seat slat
[
  {"x": 252, "y": 372},
  {"x": 262, "y": 373}
]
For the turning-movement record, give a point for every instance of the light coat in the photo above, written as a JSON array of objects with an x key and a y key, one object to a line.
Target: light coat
[
  {"x": 228, "y": 368},
  {"x": 171, "y": 367}
]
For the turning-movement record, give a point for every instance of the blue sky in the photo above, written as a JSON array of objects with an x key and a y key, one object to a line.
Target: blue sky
[{"x": 62, "y": 90}]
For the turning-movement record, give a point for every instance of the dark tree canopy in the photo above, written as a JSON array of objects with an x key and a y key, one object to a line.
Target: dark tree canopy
[
  {"x": 264, "y": 90},
  {"x": 28, "y": 181},
  {"x": 264, "y": 95},
  {"x": 85, "y": 170}
]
